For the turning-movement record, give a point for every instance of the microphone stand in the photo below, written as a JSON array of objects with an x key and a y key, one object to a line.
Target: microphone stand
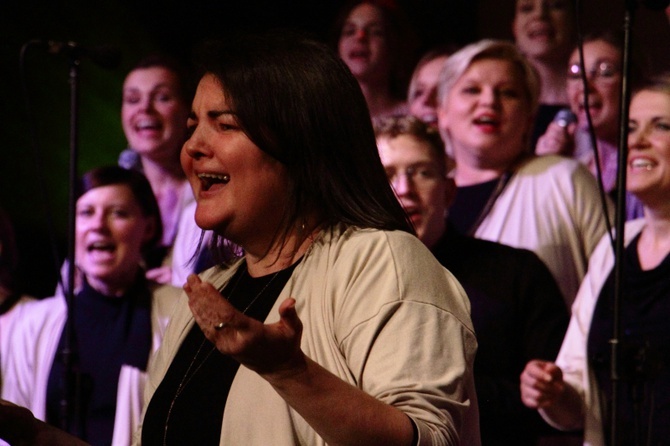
[
  {"x": 70, "y": 401},
  {"x": 620, "y": 217}
]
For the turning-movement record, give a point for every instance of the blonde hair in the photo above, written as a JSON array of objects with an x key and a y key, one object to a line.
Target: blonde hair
[{"x": 459, "y": 62}]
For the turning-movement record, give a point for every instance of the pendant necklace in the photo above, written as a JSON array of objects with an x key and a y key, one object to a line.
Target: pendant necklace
[{"x": 188, "y": 375}]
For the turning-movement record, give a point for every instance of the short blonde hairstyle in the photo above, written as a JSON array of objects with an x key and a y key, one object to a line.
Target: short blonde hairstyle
[{"x": 458, "y": 63}]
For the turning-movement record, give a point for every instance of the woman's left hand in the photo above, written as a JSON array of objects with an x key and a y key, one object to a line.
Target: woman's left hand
[{"x": 263, "y": 348}]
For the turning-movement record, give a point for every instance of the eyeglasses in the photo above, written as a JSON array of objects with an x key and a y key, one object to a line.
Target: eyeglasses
[
  {"x": 603, "y": 71},
  {"x": 420, "y": 176}
]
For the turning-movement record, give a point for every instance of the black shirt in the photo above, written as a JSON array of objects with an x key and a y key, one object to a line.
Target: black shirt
[
  {"x": 109, "y": 332},
  {"x": 469, "y": 204},
  {"x": 518, "y": 314},
  {"x": 191, "y": 399},
  {"x": 644, "y": 351}
]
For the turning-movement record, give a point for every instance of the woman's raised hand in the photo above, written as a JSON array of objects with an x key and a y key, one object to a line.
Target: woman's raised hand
[
  {"x": 263, "y": 348},
  {"x": 557, "y": 140}
]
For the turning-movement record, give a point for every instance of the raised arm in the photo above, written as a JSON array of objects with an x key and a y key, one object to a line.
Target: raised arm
[{"x": 339, "y": 412}]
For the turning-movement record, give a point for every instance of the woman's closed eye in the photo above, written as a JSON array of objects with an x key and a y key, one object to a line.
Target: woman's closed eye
[
  {"x": 663, "y": 126},
  {"x": 509, "y": 93},
  {"x": 471, "y": 89},
  {"x": 224, "y": 126},
  {"x": 119, "y": 212},
  {"x": 85, "y": 212}
]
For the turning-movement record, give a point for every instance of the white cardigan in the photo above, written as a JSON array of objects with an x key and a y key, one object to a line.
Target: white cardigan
[
  {"x": 34, "y": 336},
  {"x": 572, "y": 358},
  {"x": 551, "y": 207}
]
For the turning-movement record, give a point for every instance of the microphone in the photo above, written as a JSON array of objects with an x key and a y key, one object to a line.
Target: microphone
[
  {"x": 565, "y": 117},
  {"x": 104, "y": 56},
  {"x": 129, "y": 159}
]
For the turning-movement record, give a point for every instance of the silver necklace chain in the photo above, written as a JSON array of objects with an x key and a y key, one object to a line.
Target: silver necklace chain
[{"x": 187, "y": 378}]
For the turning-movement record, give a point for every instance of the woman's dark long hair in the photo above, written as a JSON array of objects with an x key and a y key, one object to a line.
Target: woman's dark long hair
[{"x": 297, "y": 101}]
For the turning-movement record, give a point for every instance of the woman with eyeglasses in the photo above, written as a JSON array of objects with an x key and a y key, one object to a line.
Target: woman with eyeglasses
[
  {"x": 603, "y": 65},
  {"x": 488, "y": 96},
  {"x": 603, "y": 69}
]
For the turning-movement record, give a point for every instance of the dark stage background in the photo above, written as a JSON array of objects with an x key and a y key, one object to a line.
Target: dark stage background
[{"x": 32, "y": 177}]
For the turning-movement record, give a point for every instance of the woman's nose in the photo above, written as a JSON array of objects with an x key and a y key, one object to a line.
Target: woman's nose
[
  {"x": 97, "y": 221},
  {"x": 590, "y": 83},
  {"x": 489, "y": 97},
  {"x": 146, "y": 103},
  {"x": 637, "y": 139},
  {"x": 195, "y": 147}
]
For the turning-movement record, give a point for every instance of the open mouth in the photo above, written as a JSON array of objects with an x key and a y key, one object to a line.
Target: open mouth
[
  {"x": 147, "y": 124},
  {"x": 487, "y": 122},
  {"x": 429, "y": 117},
  {"x": 642, "y": 164},
  {"x": 594, "y": 109},
  {"x": 208, "y": 180},
  {"x": 544, "y": 32},
  {"x": 359, "y": 54},
  {"x": 101, "y": 246}
]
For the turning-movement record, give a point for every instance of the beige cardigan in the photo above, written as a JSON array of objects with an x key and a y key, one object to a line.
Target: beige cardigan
[{"x": 379, "y": 312}]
